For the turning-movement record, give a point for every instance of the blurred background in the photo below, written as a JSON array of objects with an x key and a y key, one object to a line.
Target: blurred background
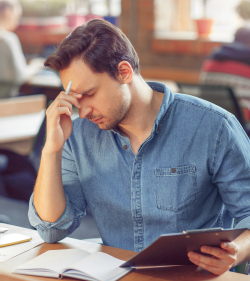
[{"x": 197, "y": 47}]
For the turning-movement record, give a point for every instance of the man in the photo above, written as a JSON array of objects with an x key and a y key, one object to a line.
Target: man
[{"x": 146, "y": 161}]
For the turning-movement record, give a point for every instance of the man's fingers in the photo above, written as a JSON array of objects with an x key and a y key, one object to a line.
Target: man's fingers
[
  {"x": 228, "y": 252},
  {"x": 59, "y": 102},
  {"x": 78, "y": 96},
  {"x": 71, "y": 97},
  {"x": 211, "y": 261},
  {"x": 220, "y": 253},
  {"x": 63, "y": 100},
  {"x": 212, "y": 269},
  {"x": 231, "y": 247},
  {"x": 220, "y": 260},
  {"x": 64, "y": 103},
  {"x": 65, "y": 110},
  {"x": 215, "y": 265},
  {"x": 213, "y": 251},
  {"x": 54, "y": 119}
]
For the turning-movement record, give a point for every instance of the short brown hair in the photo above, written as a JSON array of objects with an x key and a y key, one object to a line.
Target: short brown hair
[{"x": 100, "y": 44}]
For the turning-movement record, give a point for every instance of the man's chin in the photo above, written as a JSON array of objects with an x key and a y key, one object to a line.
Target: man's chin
[{"x": 105, "y": 126}]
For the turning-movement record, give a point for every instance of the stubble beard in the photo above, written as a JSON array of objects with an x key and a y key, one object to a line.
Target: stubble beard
[{"x": 117, "y": 116}]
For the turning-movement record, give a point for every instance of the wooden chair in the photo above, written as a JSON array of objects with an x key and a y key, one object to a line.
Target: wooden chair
[
  {"x": 22, "y": 105},
  {"x": 21, "y": 172},
  {"x": 20, "y": 120},
  {"x": 8, "y": 88}
]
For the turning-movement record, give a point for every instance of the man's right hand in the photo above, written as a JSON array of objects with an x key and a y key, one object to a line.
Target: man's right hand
[{"x": 59, "y": 123}]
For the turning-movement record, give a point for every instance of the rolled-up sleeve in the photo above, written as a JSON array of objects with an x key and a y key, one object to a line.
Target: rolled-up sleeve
[
  {"x": 232, "y": 171},
  {"x": 75, "y": 204}
]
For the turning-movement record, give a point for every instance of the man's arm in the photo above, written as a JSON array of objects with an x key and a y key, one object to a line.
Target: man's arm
[
  {"x": 232, "y": 178},
  {"x": 49, "y": 197},
  {"x": 229, "y": 255}
]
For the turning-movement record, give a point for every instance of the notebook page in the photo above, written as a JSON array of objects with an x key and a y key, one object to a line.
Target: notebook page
[
  {"x": 52, "y": 261},
  {"x": 100, "y": 266},
  {"x": 78, "y": 275}
]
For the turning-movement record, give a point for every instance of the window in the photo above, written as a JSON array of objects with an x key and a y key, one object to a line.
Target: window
[{"x": 178, "y": 15}]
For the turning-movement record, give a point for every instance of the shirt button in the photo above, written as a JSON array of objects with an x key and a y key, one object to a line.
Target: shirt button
[
  {"x": 125, "y": 147},
  {"x": 173, "y": 170}
]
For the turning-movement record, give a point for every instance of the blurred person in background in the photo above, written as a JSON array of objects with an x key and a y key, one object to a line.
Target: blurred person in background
[
  {"x": 18, "y": 175},
  {"x": 229, "y": 65},
  {"x": 14, "y": 70}
]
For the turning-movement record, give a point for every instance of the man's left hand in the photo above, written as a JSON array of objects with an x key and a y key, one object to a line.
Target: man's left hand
[{"x": 222, "y": 258}]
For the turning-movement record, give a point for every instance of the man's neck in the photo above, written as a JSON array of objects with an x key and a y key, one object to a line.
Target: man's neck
[{"x": 138, "y": 124}]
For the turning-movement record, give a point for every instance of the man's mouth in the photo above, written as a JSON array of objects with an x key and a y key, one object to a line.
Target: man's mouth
[{"x": 96, "y": 121}]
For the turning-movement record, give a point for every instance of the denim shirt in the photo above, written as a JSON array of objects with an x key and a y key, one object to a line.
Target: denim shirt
[{"x": 192, "y": 172}]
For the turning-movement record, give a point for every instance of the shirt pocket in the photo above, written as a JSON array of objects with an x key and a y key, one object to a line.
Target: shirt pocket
[{"x": 175, "y": 187}]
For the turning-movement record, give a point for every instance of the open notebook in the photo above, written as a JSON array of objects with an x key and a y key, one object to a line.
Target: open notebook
[{"x": 75, "y": 263}]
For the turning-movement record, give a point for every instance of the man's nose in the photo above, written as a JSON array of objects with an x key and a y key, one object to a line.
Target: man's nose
[{"x": 84, "y": 110}]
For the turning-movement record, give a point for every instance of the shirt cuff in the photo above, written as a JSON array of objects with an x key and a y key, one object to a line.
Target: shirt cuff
[{"x": 58, "y": 230}]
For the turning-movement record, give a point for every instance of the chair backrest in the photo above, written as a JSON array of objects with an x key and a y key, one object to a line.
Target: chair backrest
[
  {"x": 35, "y": 155},
  {"x": 22, "y": 105},
  {"x": 8, "y": 89},
  {"x": 20, "y": 119},
  {"x": 220, "y": 95}
]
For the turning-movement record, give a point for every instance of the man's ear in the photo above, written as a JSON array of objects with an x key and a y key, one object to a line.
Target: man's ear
[{"x": 125, "y": 72}]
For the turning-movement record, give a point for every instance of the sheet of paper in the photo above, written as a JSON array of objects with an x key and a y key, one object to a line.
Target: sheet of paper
[
  {"x": 9, "y": 252},
  {"x": 13, "y": 238},
  {"x": 3, "y": 229}
]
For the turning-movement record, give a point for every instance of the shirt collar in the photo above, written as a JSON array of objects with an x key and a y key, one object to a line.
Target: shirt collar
[{"x": 165, "y": 106}]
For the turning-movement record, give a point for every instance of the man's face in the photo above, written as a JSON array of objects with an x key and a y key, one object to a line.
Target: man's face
[{"x": 104, "y": 100}]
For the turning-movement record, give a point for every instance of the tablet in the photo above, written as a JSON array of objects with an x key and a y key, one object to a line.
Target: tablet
[{"x": 172, "y": 249}]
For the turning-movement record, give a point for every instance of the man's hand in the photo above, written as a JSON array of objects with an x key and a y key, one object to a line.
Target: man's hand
[
  {"x": 222, "y": 258},
  {"x": 59, "y": 124}
]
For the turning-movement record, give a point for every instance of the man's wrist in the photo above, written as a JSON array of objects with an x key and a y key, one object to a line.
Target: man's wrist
[{"x": 48, "y": 152}]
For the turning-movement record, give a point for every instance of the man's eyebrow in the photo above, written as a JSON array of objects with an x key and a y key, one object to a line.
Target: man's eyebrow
[{"x": 88, "y": 91}]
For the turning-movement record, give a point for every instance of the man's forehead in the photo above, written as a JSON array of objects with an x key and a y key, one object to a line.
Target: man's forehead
[{"x": 83, "y": 79}]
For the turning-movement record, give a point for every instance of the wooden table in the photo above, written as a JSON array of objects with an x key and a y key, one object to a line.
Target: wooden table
[{"x": 185, "y": 273}]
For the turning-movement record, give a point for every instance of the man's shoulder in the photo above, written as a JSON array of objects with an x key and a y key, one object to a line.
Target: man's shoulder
[{"x": 197, "y": 105}]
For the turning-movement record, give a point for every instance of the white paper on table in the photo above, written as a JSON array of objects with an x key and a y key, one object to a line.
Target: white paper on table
[{"x": 9, "y": 252}]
